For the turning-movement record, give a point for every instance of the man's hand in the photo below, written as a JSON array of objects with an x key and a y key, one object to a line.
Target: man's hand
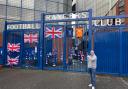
[{"x": 88, "y": 56}]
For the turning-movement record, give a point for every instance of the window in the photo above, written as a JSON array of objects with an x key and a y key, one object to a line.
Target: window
[
  {"x": 40, "y": 5},
  {"x": 14, "y": 3},
  {"x": 61, "y": 7},
  {"x": 13, "y": 13},
  {"x": 2, "y": 11},
  {"x": 38, "y": 15},
  {"x": 28, "y": 4},
  {"x": 52, "y": 6},
  {"x": 121, "y": 4},
  {"x": 2, "y": 1},
  {"x": 27, "y": 15}
]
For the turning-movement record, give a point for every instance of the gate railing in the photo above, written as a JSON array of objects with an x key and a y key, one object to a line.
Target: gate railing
[{"x": 90, "y": 27}]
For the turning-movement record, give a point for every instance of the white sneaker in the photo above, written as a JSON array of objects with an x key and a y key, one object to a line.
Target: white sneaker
[
  {"x": 90, "y": 85},
  {"x": 53, "y": 65},
  {"x": 93, "y": 87}
]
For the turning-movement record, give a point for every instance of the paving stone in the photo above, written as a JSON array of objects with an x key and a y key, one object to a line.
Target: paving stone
[{"x": 37, "y": 79}]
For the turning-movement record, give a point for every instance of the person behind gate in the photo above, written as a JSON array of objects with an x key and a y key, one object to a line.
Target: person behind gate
[{"x": 92, "y": 64}]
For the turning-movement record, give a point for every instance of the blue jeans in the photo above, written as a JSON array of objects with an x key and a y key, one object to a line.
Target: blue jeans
[{"x": 92, "y": 73}]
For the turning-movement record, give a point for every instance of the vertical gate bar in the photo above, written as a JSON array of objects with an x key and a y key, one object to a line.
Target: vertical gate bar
[
  {"x": 121, "y": 60},
  {"x": 41, "y": 35},
  {"x": 90, "y": 29},
  {"x": 5, "y": 44},
  {"x": 38, "y": 49},
  {"x": 86, "y": 38},
  {"x": 64, "y": 48},
  {"x": 21, "y": 46},
  {"x": 92, "y": 42}
]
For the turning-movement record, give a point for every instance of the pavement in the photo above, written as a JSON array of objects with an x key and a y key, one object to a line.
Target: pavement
[{"x": 37, "y": 79}]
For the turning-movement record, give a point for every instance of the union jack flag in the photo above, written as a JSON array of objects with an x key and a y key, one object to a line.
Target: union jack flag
[
  {"x": 13, "y": 47},
  {"x": 13, "y": 61},
  {"x": 30, "y": 38},
  {"x": 53, "y": 32}
]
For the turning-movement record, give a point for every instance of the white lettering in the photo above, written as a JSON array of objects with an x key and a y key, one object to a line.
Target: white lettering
[
  {"x": 65, "y": 16},
  {"x": 23, "y": 26},
  {"x": 109, "y": 22},
  {"x": 95, "y": 23},
  {"x": 102, "y": 23},
  {"x": 117, "y": 21},
  {"x": 28, "y": 26},
  {"x": 20, "y": 26}
]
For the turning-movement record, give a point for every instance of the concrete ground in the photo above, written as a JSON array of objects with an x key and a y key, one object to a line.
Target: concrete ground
[{"x": 37, "y": 79}]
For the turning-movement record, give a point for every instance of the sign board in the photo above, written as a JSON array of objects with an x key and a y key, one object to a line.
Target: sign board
[
  {"x": 100, "y": 22},
  {"x": 107, "y": 22},
  {"x": 66, "y": 16},
  {"x": 23, "y": 26}
]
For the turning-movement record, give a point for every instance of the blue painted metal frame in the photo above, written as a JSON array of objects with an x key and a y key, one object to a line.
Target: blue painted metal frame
[
  {"x": 120, "y": 27},
  {"x": 39, "y": 65},
  {"x": 42, "y": 50},
  {"x": 65, "y": 26},
  {"x": 21, "y": 51},
  {"x": 90, "y": 30},
  {"x": 122, "y": 61},
  {"x": 4, "y": 44},
  {"x": 87, "y": 19},
  {"x": 67, "y": 12},
  {"x": 22, "y": 45},
  {"x": 120, "y": 34},
  {"x": 42, "y": 40},
  {"x": 64, "y": 48}
]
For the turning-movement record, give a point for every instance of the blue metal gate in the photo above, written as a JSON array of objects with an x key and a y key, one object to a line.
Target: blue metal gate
[
  {"x": 31, "y": 50},
  {"x": 110, "y": 44},
  {"x": 111, "y": 47},
  {"x": 21, "y": 46},
  {"x": 124, "y": 51},
  {"x": 13, "y": 38},
  {"x": 61, "y": 53},
  {"x": 76, "y": 49},
  {"x": 107, "y": 46},
  {"x": 57, "y": 55},
  {"x": 53, "y": 49}
]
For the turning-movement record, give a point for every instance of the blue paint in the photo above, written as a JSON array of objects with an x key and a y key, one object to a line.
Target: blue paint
[
  {"x": 124, "y": 54},
  {"x": 90, "y": 30},
  {"x": 110, "y": 47},
  {"x": 64, "y": 48},
  {"x": 111, "y": 50},
  {"x": 42, "y": 42},
  {"x": 4, "y": 44},
  {"x": 121, "y": 51},
  {"x": 108, "y": 58}
]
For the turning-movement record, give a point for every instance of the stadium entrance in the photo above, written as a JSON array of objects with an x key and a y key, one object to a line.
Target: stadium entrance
[{"x": 61, "y": 41}]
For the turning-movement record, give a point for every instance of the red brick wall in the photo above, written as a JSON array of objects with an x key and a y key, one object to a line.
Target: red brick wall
[
  {"x": 126, "y": 7},
  {"x": 126, "y": 10},
  {"x": 117, "y": 8}
]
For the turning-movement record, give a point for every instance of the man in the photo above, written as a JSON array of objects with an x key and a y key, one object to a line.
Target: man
[
  {"x": 92, "y": 64},
  {"x": 54, "y": 57}
]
